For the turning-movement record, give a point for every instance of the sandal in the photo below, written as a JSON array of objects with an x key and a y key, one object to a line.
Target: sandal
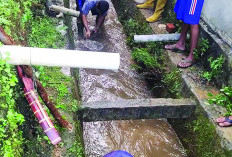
[
  {"x": 173, "y": 48},
  {"x": 185, "y": 64},
  {"x": 225, "y": 123}
]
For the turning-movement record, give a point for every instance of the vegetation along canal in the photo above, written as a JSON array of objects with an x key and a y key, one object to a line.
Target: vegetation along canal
[{"x": 144, "y": 73}]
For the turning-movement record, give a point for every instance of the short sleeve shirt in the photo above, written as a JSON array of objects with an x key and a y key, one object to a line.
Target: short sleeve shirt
[{"x": 90, "y": 5}]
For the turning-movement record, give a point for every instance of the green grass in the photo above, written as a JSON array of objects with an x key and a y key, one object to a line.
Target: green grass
[
  {"x": 11, "y": 139},
  {"x": 20, "y": 134},
  {"x": 43, "y": 34}
]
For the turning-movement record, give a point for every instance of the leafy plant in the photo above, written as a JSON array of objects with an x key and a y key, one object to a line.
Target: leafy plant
[
  {"x": 155, "y": 48},
  {"x": 133, "y": 27},
  {"x": 14, "y": 15},
  {"x": 203, "y": 48},
  {"x": 136, "y": 67},
  {"x": 44, "y": 34},
  {"x": 10, "y": 137},
  {"x": 224, "y": 98},
  {"x": 77, "y": 149},
  {"x": 40, "y": 73},
  {"x": 59, "y": 84},
  {"x": 142, "y": 56},
  {"x": 216, "y": 68},
  {"x": 172, "y": 82}
]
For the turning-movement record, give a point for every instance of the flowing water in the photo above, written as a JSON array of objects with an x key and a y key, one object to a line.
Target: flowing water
[{"x": 142, "y": 138}]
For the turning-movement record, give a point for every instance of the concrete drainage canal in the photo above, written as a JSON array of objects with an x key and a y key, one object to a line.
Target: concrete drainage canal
[
  {"x": 119, "y": 111},
  {"x": 143, "y": 108}
]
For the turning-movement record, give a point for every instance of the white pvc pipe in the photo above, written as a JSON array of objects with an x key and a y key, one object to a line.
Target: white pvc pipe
[
  {"x": 57, "y": 57},
  {"x": 139, "y": 1},
  {"x": 156, "y": 37},
  {"x": 65, "y": 10}
]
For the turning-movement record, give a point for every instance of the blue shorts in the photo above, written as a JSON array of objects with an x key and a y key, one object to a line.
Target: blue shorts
[{"x": 189, "y": 11}]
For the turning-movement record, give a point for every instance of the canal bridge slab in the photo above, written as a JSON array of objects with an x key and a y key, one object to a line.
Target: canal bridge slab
[{"x": 137, "y": 109}]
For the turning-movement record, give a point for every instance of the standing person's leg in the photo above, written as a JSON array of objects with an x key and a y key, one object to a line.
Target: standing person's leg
[
  {"x": 189, "y": 11},
  {"x": 194, "y": 40},
  {"x": 158, "y": 11},
  {"x": 80, "y": 25},
  {"x": 193, "y": 44},
  {"x": 180, "y": 45}
]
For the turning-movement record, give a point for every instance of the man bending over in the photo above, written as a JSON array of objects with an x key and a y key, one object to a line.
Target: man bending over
[{"x": 97, "y": 7}]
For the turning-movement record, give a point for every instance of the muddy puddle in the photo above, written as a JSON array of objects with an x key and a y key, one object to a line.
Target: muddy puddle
[{"x": 142, "y": 138}]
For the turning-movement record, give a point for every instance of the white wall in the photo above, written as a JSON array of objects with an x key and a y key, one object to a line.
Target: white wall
[{"x": 218, "y": 14}]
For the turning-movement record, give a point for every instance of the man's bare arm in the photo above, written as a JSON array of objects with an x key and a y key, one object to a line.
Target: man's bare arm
[{"x": 85, "y": 23}]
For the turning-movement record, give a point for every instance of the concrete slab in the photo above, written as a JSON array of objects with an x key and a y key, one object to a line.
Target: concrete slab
[{"x": 137, "y": 109}]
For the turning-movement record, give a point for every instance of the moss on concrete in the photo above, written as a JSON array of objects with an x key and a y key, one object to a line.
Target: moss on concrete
[{"x": 198, "y": 136}]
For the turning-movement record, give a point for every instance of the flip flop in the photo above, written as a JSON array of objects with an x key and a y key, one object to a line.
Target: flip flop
[
  {"x": 222, "y": 119},
  {"x": 173, "y": 48},
  {"x": 227, "y": 120},
  {"x": 184, "y": 61}
]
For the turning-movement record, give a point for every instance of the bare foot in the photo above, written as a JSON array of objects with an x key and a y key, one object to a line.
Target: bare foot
[
  {"x": 175, "y": 47},
  {"x": 185, "y": 63},
  {"x": 225, "y": 124},
  {"x": 222, "y": 119}
]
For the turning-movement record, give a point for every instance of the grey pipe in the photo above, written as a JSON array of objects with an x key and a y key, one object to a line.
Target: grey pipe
[
  {"x": 64, "y": 10},
  {"x": 156, "y": 37}
]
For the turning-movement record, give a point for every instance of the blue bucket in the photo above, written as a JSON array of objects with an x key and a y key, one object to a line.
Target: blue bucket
[{"x": 119, "y": 153}]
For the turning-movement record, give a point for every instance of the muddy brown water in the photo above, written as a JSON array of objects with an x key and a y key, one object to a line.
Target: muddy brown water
[{"x": 141, "y": 138}]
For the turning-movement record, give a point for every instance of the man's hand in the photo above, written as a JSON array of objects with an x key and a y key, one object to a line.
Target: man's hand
[
  {"x": 85, "y": 23},
  {"x": 88, "y": 33},
  {"x": 95, "y": 30}
]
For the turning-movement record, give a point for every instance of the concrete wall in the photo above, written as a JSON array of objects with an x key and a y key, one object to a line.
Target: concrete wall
[{"x": 218, "y": 15}]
